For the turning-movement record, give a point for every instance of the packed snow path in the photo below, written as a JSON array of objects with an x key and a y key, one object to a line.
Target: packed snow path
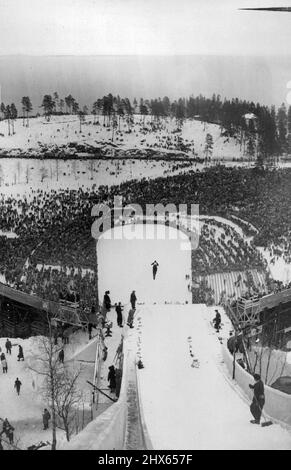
[
  {"x": 187, "y": 401},
  {"x": 134, "y": 438}
]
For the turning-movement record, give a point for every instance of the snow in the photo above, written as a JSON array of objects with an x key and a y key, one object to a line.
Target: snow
[
  {"x": 22, "y": 177},
  {"x": 62, "y": 130},
  {"x": 184, "y": 407},
  {"x": 124, "y": 264},
  {"x": 187, "y": 407},
  {"x": 24, "y": 412}
]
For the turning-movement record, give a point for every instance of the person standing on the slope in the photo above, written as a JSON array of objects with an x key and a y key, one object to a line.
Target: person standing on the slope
[
  {"x": 17, "y": 385},
  {"x": 45, "y": 419},
  {"x": 20, "y": 353},
  {"x": 8, "y": 346},
  {"x": 4, "y": 364},
  {"x": 112, "y": 378},
  {"x": 258, "y": 399},
  {"x": 118, "y": 310},
  {"x": 133, "y": 299},
  {"x": 61, "y": 356},
  {"x": 90, "y": 327},
  {"x": 217, "y": 321},
  {"x": 155, "y": 265}
]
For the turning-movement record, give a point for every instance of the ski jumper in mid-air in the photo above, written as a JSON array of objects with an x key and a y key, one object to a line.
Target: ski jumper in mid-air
[{"x": 155, "y": 265}]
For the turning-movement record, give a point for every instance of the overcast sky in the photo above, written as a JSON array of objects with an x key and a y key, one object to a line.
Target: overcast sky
[
  {"x": 145, "y": 48},
  {"x": 81, "y": 27}
]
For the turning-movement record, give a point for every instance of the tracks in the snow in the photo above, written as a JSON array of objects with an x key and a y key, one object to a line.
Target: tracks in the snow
[
  {"x": 134, "y": 436},
  {"x": 134, "y": 432}
]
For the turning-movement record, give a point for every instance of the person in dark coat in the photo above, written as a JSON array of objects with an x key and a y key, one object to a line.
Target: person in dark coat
[
  {"x": 118, "y": 310},
  {"x": 8, "y": 346},
  {"x": 155, "y": 265},
  {"x": 7, "y": 429},
  {"x": 17, "y": 385},
  {"x": 20, "y": 353},
  {"x": 133, "y": 299},
  {"x": 258, "y": 399},
  {"x": 232, "y": 344},
  {"x": 61, "y": 356},
  {"x": 66, "y": 334},
  {"x": 90, "y": 327},
  {"x": 107, "y": 301},
  {"x": 217, "y": 321},
  {"x": 112, "y": 378},
  {"x": 45, "y": 419}
]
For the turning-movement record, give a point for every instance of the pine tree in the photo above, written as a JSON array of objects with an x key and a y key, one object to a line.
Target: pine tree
[
  {"x": 8, "y": 117},
  {"x": 13, "y": 112},
  {"x": 143, "y": 111},
  {"x": 282, "y": 127},
  {"x": 23, "y": 101},
  {"x": 61, "y": 105},
  {"x": 26, "y": 108},
  {"x": 81, "y": 116},
  {"x": 3, "y": 108},
  {"x": 69, "y": 100},
  {"x": 208, "y": 149},
  {"x": 120, "y": 112},
  {"x": 75, "y": 107},
  {"x": 56, "y": 100},
  {"x": 48, "y": 105}
]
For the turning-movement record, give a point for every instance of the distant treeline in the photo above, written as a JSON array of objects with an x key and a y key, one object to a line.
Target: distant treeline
[{"x": 266, "y": 131}]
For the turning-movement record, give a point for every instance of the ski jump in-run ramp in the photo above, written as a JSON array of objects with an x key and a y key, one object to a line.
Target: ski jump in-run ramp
[
  {"x": 186, "y": 398},
  {"x": 183, "y": 398}
]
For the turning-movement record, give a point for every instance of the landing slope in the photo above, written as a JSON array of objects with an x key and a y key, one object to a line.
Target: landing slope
[{"x": 189, "y": 407}]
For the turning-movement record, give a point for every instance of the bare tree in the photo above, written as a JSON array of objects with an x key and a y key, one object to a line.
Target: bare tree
[
  {"x": 48, "y": 366},
  {"x": 68, "y": 399},
  {"x": 59, "y": 387}
]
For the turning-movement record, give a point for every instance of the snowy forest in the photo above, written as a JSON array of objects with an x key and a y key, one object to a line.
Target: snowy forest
[{"x": 268, "y": 126}]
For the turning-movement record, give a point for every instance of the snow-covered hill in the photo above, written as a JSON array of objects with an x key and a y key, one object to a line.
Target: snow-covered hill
[{"x": 61, "y": 136}]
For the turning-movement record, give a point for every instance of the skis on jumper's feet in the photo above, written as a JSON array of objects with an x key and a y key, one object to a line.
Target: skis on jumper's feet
[{"x": 195, "y": 362}]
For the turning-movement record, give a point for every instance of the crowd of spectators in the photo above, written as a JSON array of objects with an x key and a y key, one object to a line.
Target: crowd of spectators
[
  {"x": 222, "y": 249},
  {"x": 54, "y": 228}
]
